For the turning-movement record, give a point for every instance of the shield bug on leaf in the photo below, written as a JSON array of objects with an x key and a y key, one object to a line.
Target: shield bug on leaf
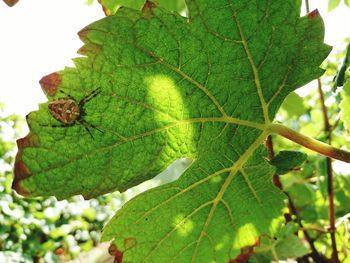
[{"x": 69, "y": 112}]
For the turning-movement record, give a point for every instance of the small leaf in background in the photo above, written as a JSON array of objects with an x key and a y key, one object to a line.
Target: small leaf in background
[
  {"x": 302, "y": 194},
  {"x": 286, "y": 245},
  {"x": 340, "y": 77},
  {"x": 110, "y": 7},
  {"x": 332, "y": 4},
  {"x": 293, "y": 105},
  {"x": 89, "y": 2},
  {"x": 345, "y": 105},
  {"x": 347, "y": 3},
  {"x": 285, "y": 161}
]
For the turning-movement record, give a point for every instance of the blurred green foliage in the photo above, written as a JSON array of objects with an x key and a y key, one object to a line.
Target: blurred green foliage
[
  {"x": 33, "y": 229},
  {"x": 307, "y": 187},
  {"x": 332, "y": 4}
]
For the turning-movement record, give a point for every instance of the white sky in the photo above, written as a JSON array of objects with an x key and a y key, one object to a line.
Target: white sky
[
  {"x": 37, "y": 38},
  {"x": 40, "y": 37}
]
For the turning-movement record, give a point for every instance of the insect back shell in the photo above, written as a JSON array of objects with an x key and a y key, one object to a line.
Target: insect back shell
[{"x": 64, "y": 110}]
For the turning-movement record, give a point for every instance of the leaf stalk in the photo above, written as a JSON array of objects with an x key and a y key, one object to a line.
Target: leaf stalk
[{"x": 310, "y": 143}]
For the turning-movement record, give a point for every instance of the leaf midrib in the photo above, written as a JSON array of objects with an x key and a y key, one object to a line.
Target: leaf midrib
[
  {"x": 228, "y": 120},
  {"x": 233, "y": 172}
]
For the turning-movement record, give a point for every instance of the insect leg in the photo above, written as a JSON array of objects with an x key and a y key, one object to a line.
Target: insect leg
[
  {"x": 90, "y": 125},
  {"x": 88, "y": 130},
  {"x": 56, "y": 126},
  {"x": 89, "y": 97},
  {"x": 87, "y": 127}
]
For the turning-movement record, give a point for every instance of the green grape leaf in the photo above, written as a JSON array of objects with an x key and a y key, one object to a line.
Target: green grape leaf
[
  {"x": 339, "y": 78},
  {"x": 154, "y": 87},
  {"x": 285, "y": 161},
  {"x": 110, "y": 7},
  {"x": 286, "y": 245},
  {"x": 345, "y": 105}
]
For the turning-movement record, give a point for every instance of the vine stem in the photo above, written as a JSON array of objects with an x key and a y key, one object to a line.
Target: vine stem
[
  {"x": 307, "y": 6},
  {"x": 292, "y": 209},
  {"x": 269, "y": 146},
  {"x": 330, "y": 188},
  {"x": 310, "y": 143}
]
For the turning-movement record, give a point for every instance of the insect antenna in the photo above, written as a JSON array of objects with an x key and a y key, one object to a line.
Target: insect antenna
[{"x": 66, "y": 94}]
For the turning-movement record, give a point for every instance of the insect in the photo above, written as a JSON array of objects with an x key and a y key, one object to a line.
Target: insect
[{"x": 69, "y": 112}]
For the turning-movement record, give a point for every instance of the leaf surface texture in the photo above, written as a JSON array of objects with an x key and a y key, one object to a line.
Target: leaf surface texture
[{"x": 204, "y": 87}]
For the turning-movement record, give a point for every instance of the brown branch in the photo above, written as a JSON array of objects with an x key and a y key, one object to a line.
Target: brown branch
[
  {"x": 292, "y": 209},
  {"x": 330, "y": 189},
  {"x": 269, "y": 145},
  {"x": 307, "y": 6},
  {"x": 327, "y": 127},
  {"x": 310, "y": 143},
  {"x": 314, "y": 253}
]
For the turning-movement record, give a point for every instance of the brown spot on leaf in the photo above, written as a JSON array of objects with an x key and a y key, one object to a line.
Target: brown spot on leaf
[
  {"x": 21, "y": 171},
  {"x": 129, "y": 243},
  {"x": 105, "y": 10},
  {"x": 10, "y": 2},
  {"x": 50, "y": 83},
  {"x": 147, "y": 9},
  {"x": 89, "y": 49},
  {"x": 28, "y": 141},
  {"x": 83, "y": 33},
  {"x": 246, "y": 253},
  {"x": 118, "y": 255},
  {"x": 313, "y": 14}
]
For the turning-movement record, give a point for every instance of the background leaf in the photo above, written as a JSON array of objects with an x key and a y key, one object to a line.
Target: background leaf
[
  {"x": 285, "y": 161},
  {"x": 286, "y": 245},
  {"x": 332, "y": 4},
  {"x": 293, "y": 105},
  {"x": 347, "y": 2},
  {"x": 345, "y": 105}
]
